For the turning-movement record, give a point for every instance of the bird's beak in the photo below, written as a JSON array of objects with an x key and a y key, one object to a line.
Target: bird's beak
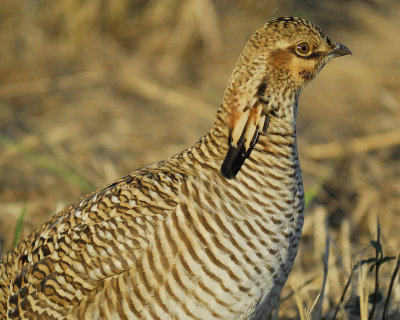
[{"x": 340, "y": 50}]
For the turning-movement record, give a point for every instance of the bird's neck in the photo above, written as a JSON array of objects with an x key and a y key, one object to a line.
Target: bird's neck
[
  {"x": 278, "y": 141},
  {"x": 279, "y": 105}
]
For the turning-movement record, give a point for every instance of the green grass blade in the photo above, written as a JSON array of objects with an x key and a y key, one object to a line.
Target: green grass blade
[
  {"x": 18, "y": 227},
  {"x": 312, "y": 192},
  {"x": 68, "y": 174}
]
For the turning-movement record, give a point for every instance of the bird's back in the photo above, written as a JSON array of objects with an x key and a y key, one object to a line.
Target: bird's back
[{"x": 98, "y": 237}]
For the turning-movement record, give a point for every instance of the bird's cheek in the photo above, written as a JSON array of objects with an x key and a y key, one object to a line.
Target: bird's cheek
[
  {"x": 304, "y": 71},
  {"x": 281, "y": 59}
]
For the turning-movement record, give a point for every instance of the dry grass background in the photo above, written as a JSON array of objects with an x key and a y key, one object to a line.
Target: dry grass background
[{"x": 91, "y": 90}]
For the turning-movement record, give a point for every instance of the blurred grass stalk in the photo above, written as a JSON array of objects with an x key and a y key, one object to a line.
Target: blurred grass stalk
[
  {"x": 363, "y": 286},
  {"x": 363, "y": 293},
  {"x": 68, "y": 174}
]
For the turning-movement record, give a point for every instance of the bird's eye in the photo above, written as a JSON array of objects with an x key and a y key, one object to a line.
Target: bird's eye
[{"x": 303, "y": 49}]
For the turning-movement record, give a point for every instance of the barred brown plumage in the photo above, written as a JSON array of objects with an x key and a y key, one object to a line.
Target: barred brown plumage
[{"x": 210, "y": 233}]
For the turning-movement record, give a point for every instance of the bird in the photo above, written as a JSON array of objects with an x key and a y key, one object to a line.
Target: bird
[{"x": 209, "y": 233}]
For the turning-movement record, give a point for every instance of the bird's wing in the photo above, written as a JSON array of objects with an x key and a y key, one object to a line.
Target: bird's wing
[{"x": 94, "y": 239}]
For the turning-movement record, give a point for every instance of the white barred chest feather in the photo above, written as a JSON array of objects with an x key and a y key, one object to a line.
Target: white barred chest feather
[{"x": 224, "y": 252}]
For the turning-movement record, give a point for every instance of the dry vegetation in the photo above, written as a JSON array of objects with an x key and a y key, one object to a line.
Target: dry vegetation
[{"x": 91, "y": 90}]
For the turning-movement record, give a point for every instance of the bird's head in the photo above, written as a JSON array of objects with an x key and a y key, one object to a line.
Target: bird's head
[
  {"x": 283, "y": 56},
  {"x": 294, "y": 51},
  {"x": 279, "y": 59}
]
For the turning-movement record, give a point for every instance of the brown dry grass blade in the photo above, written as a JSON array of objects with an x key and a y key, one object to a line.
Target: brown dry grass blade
[{"x": 326, "y": 269}]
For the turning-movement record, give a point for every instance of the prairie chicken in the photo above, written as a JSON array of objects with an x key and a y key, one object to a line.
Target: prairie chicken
[{"x": 210, "y": 233}]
